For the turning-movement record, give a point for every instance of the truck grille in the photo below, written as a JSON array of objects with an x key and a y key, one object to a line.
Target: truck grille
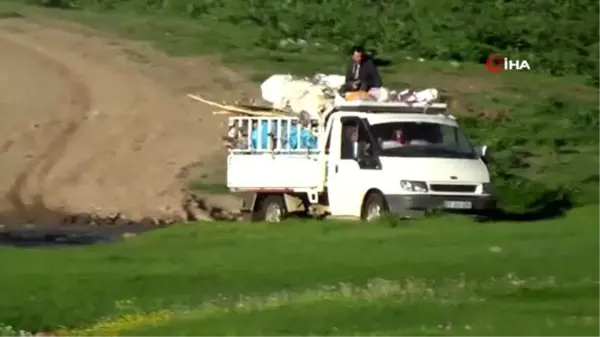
[{"x": 453, "y": 188}]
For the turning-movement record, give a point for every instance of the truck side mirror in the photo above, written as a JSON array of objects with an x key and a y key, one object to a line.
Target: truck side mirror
[{"x": 482, "y": 151}]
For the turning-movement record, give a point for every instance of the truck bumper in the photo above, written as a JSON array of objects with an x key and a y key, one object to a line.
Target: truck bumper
[{"x": 399, "y": 203}]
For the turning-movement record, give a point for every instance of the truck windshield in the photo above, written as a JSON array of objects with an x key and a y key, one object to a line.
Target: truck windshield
[{"x": 415, "y": 139}]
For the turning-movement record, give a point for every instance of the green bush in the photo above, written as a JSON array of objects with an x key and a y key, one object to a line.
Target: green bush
[
  {"x": 542, "y": 152},
  {"x": 556, "y": 37}
]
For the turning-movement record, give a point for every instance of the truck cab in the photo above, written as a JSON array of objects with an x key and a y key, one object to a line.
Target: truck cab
[{"x": 359, "y": 160}]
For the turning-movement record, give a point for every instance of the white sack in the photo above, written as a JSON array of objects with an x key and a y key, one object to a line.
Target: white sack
[
  {"x": 333, "y": 82},
  {"x": 286, "y": 92},
  {"x": 423, "y": 96},
  {"x": 312, "y": 100},
  {"x": 426, "y": 96},
  {"x": 271, "y": 88},
  {"x": 298, "y": 95}
]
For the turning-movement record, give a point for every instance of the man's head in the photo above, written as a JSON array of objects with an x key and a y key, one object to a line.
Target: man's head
[
  {"x": 358, "y": 54},
  {"x": 352, "y": 133},
  {"x": 399, "y": 136}
]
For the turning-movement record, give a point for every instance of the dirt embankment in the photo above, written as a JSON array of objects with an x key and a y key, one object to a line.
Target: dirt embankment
[{"x": 94, "y": 124}]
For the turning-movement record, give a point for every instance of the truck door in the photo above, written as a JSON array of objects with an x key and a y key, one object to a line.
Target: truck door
[{"x": 345, "y": 179}]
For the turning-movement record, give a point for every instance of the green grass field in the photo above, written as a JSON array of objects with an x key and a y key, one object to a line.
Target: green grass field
[{"x": 438, "y": 276}]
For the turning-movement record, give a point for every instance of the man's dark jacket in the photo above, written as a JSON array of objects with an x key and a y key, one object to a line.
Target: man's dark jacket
[{"x": 368, "y": 75}]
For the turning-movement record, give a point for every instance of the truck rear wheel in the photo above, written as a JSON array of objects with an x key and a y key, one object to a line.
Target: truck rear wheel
[
  {"x": 374, "y": 207},
  {"x": 270, "y": 208}
]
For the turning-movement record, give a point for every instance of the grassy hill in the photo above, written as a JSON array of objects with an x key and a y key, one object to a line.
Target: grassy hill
[{"x": 559, "y": 37}]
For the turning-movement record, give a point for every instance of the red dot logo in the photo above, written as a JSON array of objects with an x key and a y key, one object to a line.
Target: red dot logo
[{"x": 494, "y": 63}]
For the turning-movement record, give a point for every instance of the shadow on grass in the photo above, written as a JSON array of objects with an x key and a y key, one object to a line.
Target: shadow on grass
[
  {"x": 52, "y": 239},
  {"x": 11, "y": 15},
  {"x": 56, "y": 4},
  {"x": 57, "y": 235},
  {"x": 550, "y": 205}
]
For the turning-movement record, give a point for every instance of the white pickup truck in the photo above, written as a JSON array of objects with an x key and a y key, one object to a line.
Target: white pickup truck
[{"x": 359, "y": 160}]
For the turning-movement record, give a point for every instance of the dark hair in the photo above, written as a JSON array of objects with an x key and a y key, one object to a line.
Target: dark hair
[{"x": 358, "y": 49}]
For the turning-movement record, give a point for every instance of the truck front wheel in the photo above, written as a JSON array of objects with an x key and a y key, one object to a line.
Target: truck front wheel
[
  {"x": 374, "y": 206},
  {"x": 270, "y": 208}
]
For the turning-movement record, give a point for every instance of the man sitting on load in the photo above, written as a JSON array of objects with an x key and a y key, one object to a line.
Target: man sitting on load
[{"x": 361, "y": 75}]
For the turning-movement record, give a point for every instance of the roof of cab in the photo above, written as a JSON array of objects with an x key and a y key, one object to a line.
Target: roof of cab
[{"x": 392, "y": 107}]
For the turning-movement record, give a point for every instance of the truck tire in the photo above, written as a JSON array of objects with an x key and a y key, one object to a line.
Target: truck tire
[
  {"x": 374, "y": 206},
  {"x": 270, "y": 208}
]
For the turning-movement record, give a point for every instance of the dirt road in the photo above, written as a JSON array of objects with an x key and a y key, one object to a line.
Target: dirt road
[{"x": 95, "y": 124}]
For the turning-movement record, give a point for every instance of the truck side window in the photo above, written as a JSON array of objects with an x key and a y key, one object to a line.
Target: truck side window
[
  {"x": 349, "y": 136},
  {"x": 354, "y": 131}
]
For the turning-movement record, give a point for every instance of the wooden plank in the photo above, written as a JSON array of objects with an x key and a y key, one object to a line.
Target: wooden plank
[
  {"x": 222, "y": 112},
  {"x": 225, "y": 109}
]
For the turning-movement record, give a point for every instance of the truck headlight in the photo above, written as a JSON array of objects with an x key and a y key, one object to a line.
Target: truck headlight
[
  {"x": 413, "y": 186},
  {"x": 488, "y": 188}
]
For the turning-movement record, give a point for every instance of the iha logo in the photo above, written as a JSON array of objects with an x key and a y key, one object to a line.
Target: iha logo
[{"x": 497, "y": 63}]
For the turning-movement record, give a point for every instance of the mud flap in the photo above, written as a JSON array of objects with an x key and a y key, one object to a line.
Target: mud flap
[{"x": 248, "y": 201}]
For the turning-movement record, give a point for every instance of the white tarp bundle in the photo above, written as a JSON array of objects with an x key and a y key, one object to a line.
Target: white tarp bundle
[{"x": 287, "y": 92}]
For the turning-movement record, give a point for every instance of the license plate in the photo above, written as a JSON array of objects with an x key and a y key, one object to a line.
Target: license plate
[{"x": 458, "y": 204}]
